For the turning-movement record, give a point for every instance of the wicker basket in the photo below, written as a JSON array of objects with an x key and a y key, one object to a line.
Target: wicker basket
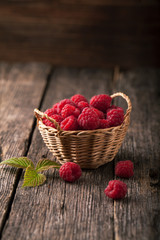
[{"x": 88, "y": 148}]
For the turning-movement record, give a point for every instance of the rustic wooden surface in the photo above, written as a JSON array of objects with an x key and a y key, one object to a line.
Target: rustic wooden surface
[
  {"x": 81, "y": 33},
  {"x": 21, "y": 89},
  {"x": 59, "y": 210}
]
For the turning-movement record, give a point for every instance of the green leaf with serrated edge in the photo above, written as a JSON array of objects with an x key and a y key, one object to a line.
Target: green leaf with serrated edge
[
  {"x": 22, "y": 162},
  {"x": 32, "y": 178},
  {"x": 45, "y": 164}
]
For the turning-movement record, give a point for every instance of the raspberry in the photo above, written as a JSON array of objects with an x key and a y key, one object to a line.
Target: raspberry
[
  {"x": 101, "y": 102},
  {"x": 49, "y": 112},
  {"x": 62, "y": 103},
  {"x": 55, "y": 106},
  {"x": 68, "y": 110},
  {"x": 111, "y": 107},
  {"x": 81, "y": 105},
  {"x": 104, "y": 123},
  {"x": 116, "y": 189},
  {"x": 88, "y": 119},
  {"x": 115, "y": 117},
  {"x": 57, "y": 117},
  {"x": 99, "y": 113},
  {"x": 69, "y": 123},
  {"x": 78, "y": 98},
  {"x": 124, "y": 169},
  {"x": 70, "y": 171}
]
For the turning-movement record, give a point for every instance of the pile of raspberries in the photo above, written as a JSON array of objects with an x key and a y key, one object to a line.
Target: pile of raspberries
[{"x": 77, "y": 113}]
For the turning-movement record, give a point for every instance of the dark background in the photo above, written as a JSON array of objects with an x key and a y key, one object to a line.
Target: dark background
[{"x": 82, "y": 33}]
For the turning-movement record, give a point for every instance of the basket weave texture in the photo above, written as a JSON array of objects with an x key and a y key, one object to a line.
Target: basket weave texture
[{"x": 88, "y": 148}]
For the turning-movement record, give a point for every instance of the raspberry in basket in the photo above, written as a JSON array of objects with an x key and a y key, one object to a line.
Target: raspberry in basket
[
  {"x": 55, "y": 106},
  {"x": 101, "y": 102},
  {"x": 104, "y": 123},
  {"x": 57, "y": 117},
  {"x": 81, "y": 105},
  {"x": 124, "y": 169},
  {"x": 116, "y": 189},
  {"x": 115, "y": 117},
  {"x": 88, "y": 119},
  {"x": 70, "y": 171},
  {"x": 111, "y": 107},
  {"x": 62, "y": 103},
  {"x": 68, "y": 110},
  {"x": 49, "y": 112},
  {"x": 99, "y": 113},
  {"x": 69, "y": 123},
  {"x": 78, "y": 98}
]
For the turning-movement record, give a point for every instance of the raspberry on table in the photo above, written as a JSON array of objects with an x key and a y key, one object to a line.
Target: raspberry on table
[
  {"x": 82, "y": 104},
  {"x": 116, "y": 189},
  {"x": 57, "y": 117},
  {"x": 101, "y": 102},
  {"x": 69, "y": 123},
  {"x": 88, "y": 119},
  {"x": 68, "y": 110},
  {"x": 99, "y": 113},
  {"x": 124, "y": 169},
  {"x": 78, "y": 98},
  {"x": 70, "y": 171},
  {"x": 62, "y": 103},
  {"x": 115, "y": 117},
  {"x": 104, "y": 123}
]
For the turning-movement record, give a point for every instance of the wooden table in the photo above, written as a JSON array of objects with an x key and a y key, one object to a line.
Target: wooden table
[{"x": 60, "y": 210}]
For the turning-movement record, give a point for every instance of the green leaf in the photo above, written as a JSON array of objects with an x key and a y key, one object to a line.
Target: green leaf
[
  {"x": 22, "y": 162},
  {"x": 32, "y": 178},
  {"x": 45, "y": 164}
]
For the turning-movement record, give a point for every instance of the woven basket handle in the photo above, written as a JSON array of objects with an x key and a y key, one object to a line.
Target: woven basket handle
[
  {"x": 120, "y": 94},
  {"x": 40, "y": 114}
]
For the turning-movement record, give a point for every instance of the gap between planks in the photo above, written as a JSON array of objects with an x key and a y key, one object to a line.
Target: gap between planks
[{"x": 28, "y": 143}]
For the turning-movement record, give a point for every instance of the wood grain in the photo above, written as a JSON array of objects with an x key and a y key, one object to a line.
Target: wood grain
[
  {"x": 81, "y": 34},
  {"x": 138, "y": 216},
  {"x": 21, "y": 88},
  {"x": 59, "y": 210}
]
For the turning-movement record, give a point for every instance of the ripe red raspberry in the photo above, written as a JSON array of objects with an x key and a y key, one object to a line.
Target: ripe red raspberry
[
  {"x": 116, "y": 189},
  {"x": 115, "y": 117},
  {"x": 88, "y": 119},
  {"x": 101, "y": 102},
  {"x": 55, "y": 106},
  {"x": 99, "y": 113},
  {"x": 68, "y": 110},
  {"x": 57, "y": 117},
  {"x": 78, "y": 98},
  {"x": 70, "y": 171},
  {"x": 104, "y": 123},
  {"x": 111, "y": 107},
  {"x": 124, "y": 169},
  {"x": 69, "y": 123},
  {"x": 81, "y": 105},
  {"x": 49, "y": 112},
  {"x": 62, "y": 103}
]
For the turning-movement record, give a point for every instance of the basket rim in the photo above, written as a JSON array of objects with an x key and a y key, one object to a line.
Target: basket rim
[{"x": 39, "y": 115}]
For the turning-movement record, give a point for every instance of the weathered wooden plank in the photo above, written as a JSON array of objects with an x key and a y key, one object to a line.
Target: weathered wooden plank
[
  {"x": 115, "y": 2},
  {"x": 138, "y": 216},
  {"x": 21, "y": 89},
  {"x": 80, "y": 34},
  {"x": 96, "y": 2},
  {"x": 59, "y": 210}
]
